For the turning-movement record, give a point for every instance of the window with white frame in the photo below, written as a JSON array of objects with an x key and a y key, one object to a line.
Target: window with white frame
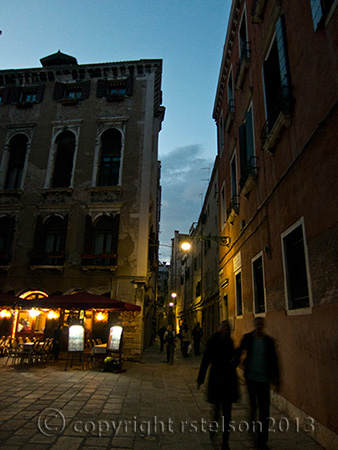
[
  {"x": 258, "y": 284},
  {"x": 296, "y": 270},
  {"x": 243, "y": 38}
]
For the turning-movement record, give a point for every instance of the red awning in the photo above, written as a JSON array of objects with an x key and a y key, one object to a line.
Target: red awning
[
  {"x": 80, "y": 300},
  {"x": 9, "y": 300}
]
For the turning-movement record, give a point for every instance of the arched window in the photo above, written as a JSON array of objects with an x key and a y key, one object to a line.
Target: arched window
[
  {"x": 110, "y": 159},
  {"x": 101, "y": 240},
  {"x": 50, "y": 241},
  {"x": 17, "y": 149},
  {"x": 64, "y": 158}
]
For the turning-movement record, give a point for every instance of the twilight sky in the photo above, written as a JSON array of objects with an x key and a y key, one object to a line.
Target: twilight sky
[{"x": 187, "y": 34}]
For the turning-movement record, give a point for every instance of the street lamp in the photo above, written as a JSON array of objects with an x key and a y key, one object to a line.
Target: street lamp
[{"x": 221, "y": 240}]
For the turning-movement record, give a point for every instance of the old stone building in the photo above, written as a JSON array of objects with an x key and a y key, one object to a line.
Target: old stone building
[
  {"x": 276, "y": 114},
  {"x": 79, "y": 180}
]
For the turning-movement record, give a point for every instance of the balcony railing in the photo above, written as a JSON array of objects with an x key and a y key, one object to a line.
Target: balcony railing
[
  {"x": 101, "y": 259},
  {"x": 47, "y": 259},
  {"x": 244, "y": 63},
  {"x": 279, "y": 116}
]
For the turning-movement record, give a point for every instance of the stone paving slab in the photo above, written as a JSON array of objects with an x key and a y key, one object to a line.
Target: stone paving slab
[{"x": 150, "y": 406}]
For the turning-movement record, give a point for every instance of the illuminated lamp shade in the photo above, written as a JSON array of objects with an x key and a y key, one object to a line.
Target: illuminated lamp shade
[
  {"x": 101, "y": 317},
  {"x": 34, "y": 312},
  {"x": 186, "y": 246},
  {"x": 5, "y": 314},
  {"x": 53, "y": 315}
]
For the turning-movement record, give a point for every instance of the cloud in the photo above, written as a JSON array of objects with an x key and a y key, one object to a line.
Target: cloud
[{"x": 184, "y": 180}]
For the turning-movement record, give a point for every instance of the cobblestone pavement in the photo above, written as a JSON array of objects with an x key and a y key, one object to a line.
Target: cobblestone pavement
[{"x": 152, "y": 405}]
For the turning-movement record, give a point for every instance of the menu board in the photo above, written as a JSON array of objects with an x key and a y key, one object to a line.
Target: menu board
[
  {"x": 115, "y": 337},
  {"x": 76, "y": 338}
]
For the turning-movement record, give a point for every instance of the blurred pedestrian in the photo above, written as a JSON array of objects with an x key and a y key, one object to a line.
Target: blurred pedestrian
[
  {"x": 222, "y": 383},
  {"x": 197, "y": 334},
  {"x": 260, "y": 370},
  {"x": 160, "y": 333},
  {"x": 185, "y": 338},
  {"x": 170, "y": 338}
]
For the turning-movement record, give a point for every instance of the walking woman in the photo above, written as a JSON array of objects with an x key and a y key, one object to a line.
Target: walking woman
[{"x": 222, "y": 384}]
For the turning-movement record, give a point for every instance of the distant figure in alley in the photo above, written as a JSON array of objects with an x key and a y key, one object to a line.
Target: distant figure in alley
[{"x": 170, "y": 342}]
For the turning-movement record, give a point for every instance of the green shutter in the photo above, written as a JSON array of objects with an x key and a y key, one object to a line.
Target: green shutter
[
  {"x": 101, "y": 89},
  {"x": 242, "y": 154},
  {"x": 283, "y": 62},
  {"x": 249, "y": 137}
]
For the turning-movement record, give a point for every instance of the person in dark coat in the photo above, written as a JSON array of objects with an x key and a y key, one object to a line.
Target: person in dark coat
[
  {"x": 222, "y": 388},
  {"x": 260, "y": 370},
  {"x": 197, "y": 334},
  {"x": 161, "y": 332}
]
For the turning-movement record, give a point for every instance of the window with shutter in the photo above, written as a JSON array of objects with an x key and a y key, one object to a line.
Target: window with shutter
[
  {"x": 238, "y": 284},
  {"x": 50, "y": 241},
  {"x": 276, "y": 77}
]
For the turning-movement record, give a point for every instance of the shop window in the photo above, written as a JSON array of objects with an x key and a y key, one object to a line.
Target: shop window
[
  {"x": 64, "y": 160},
  {"x": 238, "y": 293},
  {"x": 258, "y": 285},
  {"x": 320, "y": 10},
  {"x": 110, "y": 158},
  {"x": 276, "y": 78},
  {"x": 296, "y": 268},
  {"x": 101, "y": 241},
  {"x": 6, "y": 237},
  {"x": 16, "y": 163}
]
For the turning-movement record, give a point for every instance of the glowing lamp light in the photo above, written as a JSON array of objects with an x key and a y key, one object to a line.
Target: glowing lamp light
[
  {"x": 171, "y": 304},
  {"x": 5, "y": 314},
  {"x": 34, "y": 312},
  {"x": 100, "y": 317},
  {"x": 186, "y": 246},
  {"x": 52, "y": 315},
  {"x": 173, "y": 295}
]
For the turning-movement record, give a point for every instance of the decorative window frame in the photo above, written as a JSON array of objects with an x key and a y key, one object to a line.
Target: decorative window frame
[
  {"x": 259, "y": 255},
  {"x": 104, "y": 124},
  {"x": 308, "y": 309},
  {"x": 58, "y": 127},
  {"x": 13, "y": 130}
]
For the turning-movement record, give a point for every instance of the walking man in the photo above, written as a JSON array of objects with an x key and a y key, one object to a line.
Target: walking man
[{"x": 260, "y": 370}]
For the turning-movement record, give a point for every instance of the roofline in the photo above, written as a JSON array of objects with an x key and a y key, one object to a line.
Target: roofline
[
  {"x": 77, "y": 66},
  {"x": 222, "y": 73}
]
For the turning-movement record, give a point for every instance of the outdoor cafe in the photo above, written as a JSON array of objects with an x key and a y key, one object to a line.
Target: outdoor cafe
[{"x": 27, "y": 326}]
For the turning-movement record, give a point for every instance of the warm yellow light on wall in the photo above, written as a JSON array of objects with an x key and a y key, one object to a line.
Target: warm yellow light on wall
[
  {"x": 53, "y": 315},
  {"x": 101, "y": 317},
  {"x": 5, "y": 313},
  {"x": 34, "y": 312}
]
